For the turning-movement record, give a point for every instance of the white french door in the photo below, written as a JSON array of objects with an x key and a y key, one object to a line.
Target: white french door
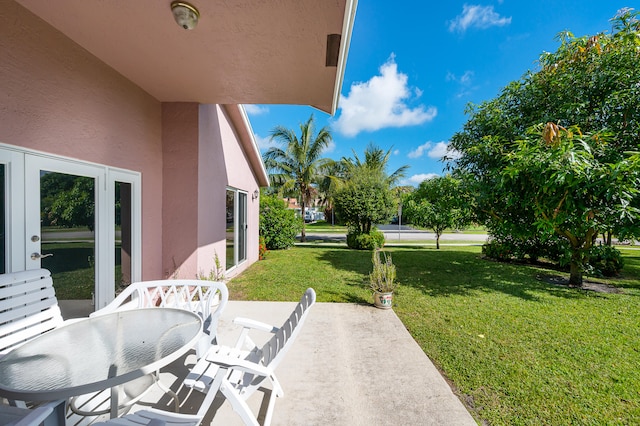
[{"x": 77, "y": 219}]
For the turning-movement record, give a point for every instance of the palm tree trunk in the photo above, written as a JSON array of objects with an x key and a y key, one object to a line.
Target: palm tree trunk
[{"x": 303, "y": 234}]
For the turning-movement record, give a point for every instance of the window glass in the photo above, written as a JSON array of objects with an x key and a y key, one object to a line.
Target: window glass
[
  {"x": 230, "y": 255},
  {"x": 123, "y": 235}
]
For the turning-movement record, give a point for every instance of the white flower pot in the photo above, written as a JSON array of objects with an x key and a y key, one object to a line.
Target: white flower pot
[{"x": 383, "y": 300}]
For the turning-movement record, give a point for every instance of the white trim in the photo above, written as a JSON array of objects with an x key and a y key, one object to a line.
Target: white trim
[
  {"x": 254, "y": 143},
  {"x": 14, "y": 211},
  {"x": 236, "y": 227},
  {"x": 345, "y": 42}
]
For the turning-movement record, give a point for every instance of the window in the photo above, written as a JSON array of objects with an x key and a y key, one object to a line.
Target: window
[
  {"x": 3, "y": 223},
  {"x": 236, "y": 228}
]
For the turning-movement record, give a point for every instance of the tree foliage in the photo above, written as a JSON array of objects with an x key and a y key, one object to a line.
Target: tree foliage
[
  {"x": 573, "y": 194},
  {"x": 295, "y": 168},
  {"x": 365, "y": 199},
  {"x": 366, "y": 195},
  {"x": 67, "y": 200},
  {"x": 591, "y": 87},
  {"x": 438, "y": 203}
]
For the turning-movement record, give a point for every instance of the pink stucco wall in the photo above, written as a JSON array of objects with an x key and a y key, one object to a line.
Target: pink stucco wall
[
  {"x": 202, "y": 158},
  {"x": 58, "y": 98},
  {"x": 241, "y": 176}
]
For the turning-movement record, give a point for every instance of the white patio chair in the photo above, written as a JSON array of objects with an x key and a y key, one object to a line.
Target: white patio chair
[
  {"x": 28, "y": 307},
  {"x": 236, "y": 372},
  {"x": 198, "y": 296},
  {"x": 49, "y": 414}
]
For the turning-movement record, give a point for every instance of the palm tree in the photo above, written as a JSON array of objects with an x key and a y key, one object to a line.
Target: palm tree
[
  {"x": 333, "y": 176},
  {"x": 375, "y": 159},
  {"x": 295, "y": 167}
]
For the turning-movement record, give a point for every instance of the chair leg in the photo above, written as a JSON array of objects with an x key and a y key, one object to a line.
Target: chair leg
[
  {"x": 239, "y": 404},
  {"x": 277, "y": 389}
]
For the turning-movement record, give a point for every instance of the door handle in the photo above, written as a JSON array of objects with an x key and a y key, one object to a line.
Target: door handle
[{"x": 36, "y": 256}]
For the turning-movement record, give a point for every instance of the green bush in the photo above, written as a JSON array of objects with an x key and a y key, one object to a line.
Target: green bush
[
  {"x": 362, "y": 241},
  {"x": 604, "y": 261},
  {"x": 278, "y": 225},
  {"x": 507, "y": 247}
]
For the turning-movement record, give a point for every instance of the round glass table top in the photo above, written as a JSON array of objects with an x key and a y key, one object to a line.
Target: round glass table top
[{"x": 97, "y": 353}]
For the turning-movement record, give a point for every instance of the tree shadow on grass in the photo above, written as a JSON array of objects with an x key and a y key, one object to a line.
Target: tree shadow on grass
[
  {"x": 442, "y": 273},
  {"x": 353, "y": 287}
]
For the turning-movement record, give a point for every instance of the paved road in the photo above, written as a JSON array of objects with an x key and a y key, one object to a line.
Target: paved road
[{"x": 405, "y": 234}]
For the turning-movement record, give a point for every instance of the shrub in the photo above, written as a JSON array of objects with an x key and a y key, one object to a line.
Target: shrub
[
  {"x": 278, "y": 225},
  {"x": 362, "y": 241},
  {"x": 383, "y": 277},
  {"x": 507, "y": 247},
  {"x": 604, "y": 261}
]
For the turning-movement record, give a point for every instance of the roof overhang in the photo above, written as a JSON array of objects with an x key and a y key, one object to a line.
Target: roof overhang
[{"x": 241, "y": 52}]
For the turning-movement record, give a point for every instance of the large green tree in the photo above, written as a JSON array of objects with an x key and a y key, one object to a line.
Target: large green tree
[
  {"x": 294, "y": 168},
  {"x": 366, "y": 195},
  {"x": 365, "y": 199},
  {"x": 592, "y": 82},
  {"x": 573, "y": 193},
  {"x": 438, "y": 203}
]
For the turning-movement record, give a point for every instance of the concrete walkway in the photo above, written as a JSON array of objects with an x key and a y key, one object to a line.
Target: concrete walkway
[{"x": 351, "y": 365}]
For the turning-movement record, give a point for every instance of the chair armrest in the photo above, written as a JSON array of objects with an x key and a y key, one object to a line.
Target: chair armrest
[
  {"x": 233, "y": 362},
  {"x": 256, "y": 325},
  {"x": 115, "y": 305}
]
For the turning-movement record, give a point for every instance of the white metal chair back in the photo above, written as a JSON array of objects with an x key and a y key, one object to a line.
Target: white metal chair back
[
  {"x": 271, "y": 354},
  {"x": 28, "y": 307},
  {"x": 196, "y": 296}
]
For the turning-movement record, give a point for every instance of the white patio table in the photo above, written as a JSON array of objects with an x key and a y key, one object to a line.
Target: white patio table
[{"x": 97, "y": 353}]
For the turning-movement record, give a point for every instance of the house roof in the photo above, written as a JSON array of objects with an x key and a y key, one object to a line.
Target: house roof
[{"x": 242, "y": 51}]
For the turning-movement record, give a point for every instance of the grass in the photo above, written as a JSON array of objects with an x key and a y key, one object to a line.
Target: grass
[
  {"x": 72, "y": 268},
  {"x": 518, "y": 350}
]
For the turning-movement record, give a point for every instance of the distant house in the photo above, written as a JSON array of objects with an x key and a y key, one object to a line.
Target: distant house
[{"x": 117, "y": 92}]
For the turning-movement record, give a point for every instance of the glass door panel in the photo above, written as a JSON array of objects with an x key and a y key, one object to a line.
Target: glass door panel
[
  {"x": 242, "y": 226},
  {"x": 123, "y": 235},
  {"x": 67, "y": 232}
]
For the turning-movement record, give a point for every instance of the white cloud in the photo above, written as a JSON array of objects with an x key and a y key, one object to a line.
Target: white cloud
[
  {"x": 330, "y": 148},
  {"x": 264, "y": 143},
  {"x": 466, "y": 77},
  {"x": 417, "y": 153},
  {"x": 255, "y": 109},
  {"x": 396, "y": 152},
  {"x": 441, "y": 149},
  {"x": 464, "y": 82},
  {"x": 434, "y": 150},
  {"x": 415, "y": 180},
  {"x": 478, "y": 17},
  {"x": 381, "y": 102}
]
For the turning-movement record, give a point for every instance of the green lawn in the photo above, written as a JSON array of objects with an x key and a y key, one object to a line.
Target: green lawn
[{"x": 519, "y": 350}]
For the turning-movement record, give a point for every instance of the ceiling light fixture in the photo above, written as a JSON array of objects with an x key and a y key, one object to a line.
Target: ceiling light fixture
[{"x": 185, "y": 14}]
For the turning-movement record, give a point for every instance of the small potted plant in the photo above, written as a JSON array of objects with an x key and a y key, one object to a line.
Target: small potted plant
[{"x": 382, "y": 279}]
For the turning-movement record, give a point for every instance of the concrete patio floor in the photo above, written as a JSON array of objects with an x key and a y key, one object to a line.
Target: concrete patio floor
[{"x": 350, "y": 365}]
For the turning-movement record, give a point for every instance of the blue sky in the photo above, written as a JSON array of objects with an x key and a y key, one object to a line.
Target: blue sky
[{"x": 413, "y": 67}]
